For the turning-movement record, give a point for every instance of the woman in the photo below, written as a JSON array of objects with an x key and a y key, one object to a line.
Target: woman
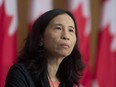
[{"x": 50, "y": 57}]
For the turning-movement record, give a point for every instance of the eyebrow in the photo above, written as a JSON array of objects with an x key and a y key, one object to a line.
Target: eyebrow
[
  {"x": 58, "y": 24},
  {"x": 72, "y": 27},
  {"x": 62, "y": 25}
]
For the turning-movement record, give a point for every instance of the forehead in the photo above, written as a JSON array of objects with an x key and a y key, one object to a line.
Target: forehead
[{"x": 63, "y": 19}]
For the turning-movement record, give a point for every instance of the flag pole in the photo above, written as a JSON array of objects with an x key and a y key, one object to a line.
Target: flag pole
[
  {"x": 22, "y": 23},
  {"x": 95, "y": 22},
  {"x": 62, "y": 4}
]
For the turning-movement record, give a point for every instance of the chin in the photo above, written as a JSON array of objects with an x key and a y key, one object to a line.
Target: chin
[{"x": 64, "y": 55}]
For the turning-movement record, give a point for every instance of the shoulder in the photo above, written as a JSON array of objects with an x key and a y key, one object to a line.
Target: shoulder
[
  {"x": 17, "y": 71},
  {"x": 18, "y": 68},
  {"x": 18, "y": 76}
]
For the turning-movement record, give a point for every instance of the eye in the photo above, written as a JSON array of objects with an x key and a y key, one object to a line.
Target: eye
[
  {"x": 71, "y": 30},
  {"x": 58, "y": 27}
]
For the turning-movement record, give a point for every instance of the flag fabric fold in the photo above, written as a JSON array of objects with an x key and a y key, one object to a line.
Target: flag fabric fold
[
  {"x": 81, "y": 11},
  {"x": 8, "y": 27},
  {"x": 106, "y": 53}
]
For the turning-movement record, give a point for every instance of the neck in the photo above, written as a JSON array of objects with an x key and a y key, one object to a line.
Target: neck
[{"x": 53, "y": 64}]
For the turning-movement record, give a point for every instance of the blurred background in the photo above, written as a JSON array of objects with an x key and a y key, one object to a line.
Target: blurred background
[{"x": 96, "y": 22}]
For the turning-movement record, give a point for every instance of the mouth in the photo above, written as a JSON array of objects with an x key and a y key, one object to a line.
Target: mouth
[{"x": 64, "y": 45}]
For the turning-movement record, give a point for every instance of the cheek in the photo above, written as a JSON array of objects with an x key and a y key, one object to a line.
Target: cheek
[
  {"x": 50, "y": 38},
  {"x": 73, "y": 40},
  {"x": 49, "y": 42}
]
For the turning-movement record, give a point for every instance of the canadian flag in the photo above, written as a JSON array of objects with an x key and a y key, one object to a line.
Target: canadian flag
[
  {"x": 81, "y": 11},
  {"x": 8, "y": 26},
  {"x": 38, "y": 7},
  {"x": 105, "y": 75}
]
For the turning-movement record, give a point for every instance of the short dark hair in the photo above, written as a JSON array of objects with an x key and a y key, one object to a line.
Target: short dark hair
[{"x": 70, "y": 69}]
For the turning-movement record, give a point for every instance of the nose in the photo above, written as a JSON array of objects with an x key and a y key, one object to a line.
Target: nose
[
  {"x": 65, "y": 38},
  {"x": 65, "y": 35}
]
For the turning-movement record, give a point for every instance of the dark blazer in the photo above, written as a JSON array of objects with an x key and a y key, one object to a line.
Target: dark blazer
[{"x": 18, "y": 76}]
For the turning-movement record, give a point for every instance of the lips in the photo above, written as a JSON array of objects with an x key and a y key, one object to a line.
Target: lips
[{"x": 64, "y": 45}]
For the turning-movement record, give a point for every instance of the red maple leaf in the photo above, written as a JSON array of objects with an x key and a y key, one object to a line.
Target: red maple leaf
[
  {"x": 5, "y": 21},
  {"x": 84, "y": 44},
  {"x": 6, "y": 44},
  {"x": 83, "y": 40},
  {"x": 106, "y": 59}
]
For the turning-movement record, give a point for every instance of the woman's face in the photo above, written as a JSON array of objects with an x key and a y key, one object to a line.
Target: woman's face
[{"x": 59, "y": 37}]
